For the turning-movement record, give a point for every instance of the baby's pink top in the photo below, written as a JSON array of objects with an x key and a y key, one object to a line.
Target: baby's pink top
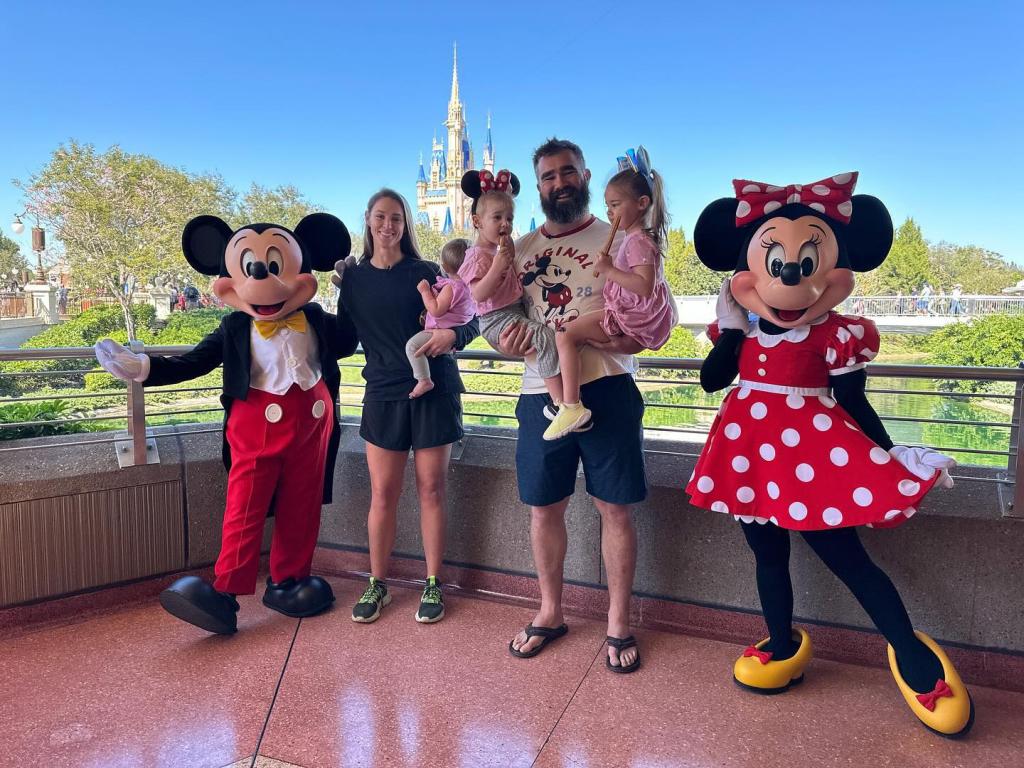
[
  {"x": 648, "y": 321},
  {"x": 476, "y": 264},
  {"x": 461, "y": 311}
]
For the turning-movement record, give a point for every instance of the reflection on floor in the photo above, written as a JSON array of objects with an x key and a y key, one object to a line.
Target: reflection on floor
[{"x": 135, "y": 687}]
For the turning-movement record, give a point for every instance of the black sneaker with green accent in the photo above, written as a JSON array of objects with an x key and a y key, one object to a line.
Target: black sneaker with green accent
[
  {"x": 431, "y": 604},
  {"x": 374, "y": 598}
]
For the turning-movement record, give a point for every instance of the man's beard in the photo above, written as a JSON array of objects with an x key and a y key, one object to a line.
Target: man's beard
[{"x": 568, "y": 209}]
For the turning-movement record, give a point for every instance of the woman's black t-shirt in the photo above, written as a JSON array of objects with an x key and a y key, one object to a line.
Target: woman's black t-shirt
[{"x": 386, "y": 309}]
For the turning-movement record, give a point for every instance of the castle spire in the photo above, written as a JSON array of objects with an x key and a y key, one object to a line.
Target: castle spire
[{"x": 455, "y": 74}]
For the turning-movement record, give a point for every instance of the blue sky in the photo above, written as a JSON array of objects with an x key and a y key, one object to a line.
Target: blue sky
[{"x": 925, "y": 99}]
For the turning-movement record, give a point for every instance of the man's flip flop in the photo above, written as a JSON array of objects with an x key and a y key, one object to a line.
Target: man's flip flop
[
  {"x": 620, "y": 645},
  {"x": 548, "y": 633}
]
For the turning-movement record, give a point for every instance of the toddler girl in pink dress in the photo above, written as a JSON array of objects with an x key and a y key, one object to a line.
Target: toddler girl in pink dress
[{"x": 637, "y": 300}]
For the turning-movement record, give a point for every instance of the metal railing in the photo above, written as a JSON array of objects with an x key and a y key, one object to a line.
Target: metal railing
[
  {"x": 493, "y": 366},
  {"x": 941, "y": 305}
]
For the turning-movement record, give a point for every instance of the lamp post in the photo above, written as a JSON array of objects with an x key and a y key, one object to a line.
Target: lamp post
[{"x": 38, "y": 243}]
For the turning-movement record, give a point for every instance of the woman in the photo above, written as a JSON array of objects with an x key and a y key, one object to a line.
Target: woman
[{"x": 379, "y": 293}]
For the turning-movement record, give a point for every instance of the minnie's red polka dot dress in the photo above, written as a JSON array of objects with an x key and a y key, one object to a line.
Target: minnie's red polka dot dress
[{"x": 781, "y": 449}]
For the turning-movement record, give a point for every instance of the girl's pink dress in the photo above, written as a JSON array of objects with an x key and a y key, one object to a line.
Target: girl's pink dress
[
  {"x": 647, "y": 321},
  {"x": 461, "y": 311}
]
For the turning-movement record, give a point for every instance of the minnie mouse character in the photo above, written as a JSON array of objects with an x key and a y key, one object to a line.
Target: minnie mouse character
[
  {"x": 797, "y": 446},
  {"x": 281, "y": 380}
]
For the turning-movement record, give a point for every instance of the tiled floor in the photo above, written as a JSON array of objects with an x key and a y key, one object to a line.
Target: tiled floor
[{"x": 138, "y": 688}]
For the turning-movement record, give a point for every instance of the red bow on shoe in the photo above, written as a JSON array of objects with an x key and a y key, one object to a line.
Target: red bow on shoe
[
  {"x": 829, "y": 196},
  {"x": 763, "y": 656},
  {"x": 928, "y": 700},
  {"x": 489, "y": 181}
]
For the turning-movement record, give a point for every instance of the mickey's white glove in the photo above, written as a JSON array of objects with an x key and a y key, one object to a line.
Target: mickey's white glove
[
  {"x": 924, "y": 463},
  {"x": 340, "y": 267},
  {"x": 121, "y": 362},
  {"x": 730, "y": 315}
]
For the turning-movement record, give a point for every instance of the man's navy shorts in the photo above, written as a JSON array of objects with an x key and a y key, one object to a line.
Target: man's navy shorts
[{"x": 611, "y": 451}]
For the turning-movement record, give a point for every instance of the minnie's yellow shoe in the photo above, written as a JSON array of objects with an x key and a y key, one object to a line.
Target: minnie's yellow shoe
[
  {"x": 756, "y": 671},
  {"x": 948, "y": 709}
]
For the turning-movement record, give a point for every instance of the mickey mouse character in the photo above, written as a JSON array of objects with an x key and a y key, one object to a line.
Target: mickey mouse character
[
  {"x": 797, "y": 446},
  {"x": 281, "y": 380},
  {"x": 554, "y": 290}
]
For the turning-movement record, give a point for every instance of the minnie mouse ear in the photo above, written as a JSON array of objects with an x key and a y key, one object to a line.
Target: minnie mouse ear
[
  {"x": 471, "y": 183},
  {"x": 325, "y": 240},
  {"x": 203, "y": 242},
  {"x": 716, "y": 237},
  {"x": 513, "y": 184},
  {"x": 869, "y": 234}
]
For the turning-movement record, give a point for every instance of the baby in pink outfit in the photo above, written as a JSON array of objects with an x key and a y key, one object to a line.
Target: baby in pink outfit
[
  {"x": 637, "y": 300},
  {"x": 448, "y": 304}
]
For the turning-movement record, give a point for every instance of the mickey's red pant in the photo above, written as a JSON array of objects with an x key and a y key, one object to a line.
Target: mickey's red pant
[{"x": 278, "y": 452}]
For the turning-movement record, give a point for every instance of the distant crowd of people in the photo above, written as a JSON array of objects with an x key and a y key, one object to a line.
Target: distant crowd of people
[{"x": 923, "y": 301}]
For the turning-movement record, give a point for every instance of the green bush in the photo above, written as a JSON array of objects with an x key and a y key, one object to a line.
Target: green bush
[
  {"x": 993, "y": 341},
  {"x": 83, "y": 331},
  {"x": 190, "y": 327},
  {"x": 42, "y": 410},
  {"x": 100, "y": 382}
]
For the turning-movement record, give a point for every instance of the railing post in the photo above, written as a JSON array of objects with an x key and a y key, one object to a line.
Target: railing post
[
  {"x": 1017, "y": 463},
  {"x": 137, "y": 445}
]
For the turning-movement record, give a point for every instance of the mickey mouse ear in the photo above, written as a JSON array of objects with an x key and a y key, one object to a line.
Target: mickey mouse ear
[
  {"x": 471, "y": 183},
  {"x": 203, "y": 242},
  {"x": 716, "y": 238},
  {"x": 325, "y": 240}
]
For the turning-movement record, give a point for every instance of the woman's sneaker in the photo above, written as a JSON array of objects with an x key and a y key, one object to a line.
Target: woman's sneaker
[
  {"x": 374, "y": 598},
  {"x": 431, "y": 604}
]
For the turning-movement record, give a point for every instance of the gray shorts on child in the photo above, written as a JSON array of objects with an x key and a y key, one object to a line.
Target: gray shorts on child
[{"x": 494, "y": 323}]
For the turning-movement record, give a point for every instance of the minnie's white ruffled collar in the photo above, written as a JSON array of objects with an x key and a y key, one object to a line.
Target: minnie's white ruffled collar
[{"x": 793, "y": 335}]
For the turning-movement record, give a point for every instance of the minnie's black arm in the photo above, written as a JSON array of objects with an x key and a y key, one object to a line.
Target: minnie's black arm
[
  {"x": 723, "y": 362},
  {"x": 848, "y": 389}
]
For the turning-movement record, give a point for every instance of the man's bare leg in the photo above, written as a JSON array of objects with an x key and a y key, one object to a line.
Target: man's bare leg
[
  {"x": 618, "y": 549},
  {"x": 548, "y": 539}
]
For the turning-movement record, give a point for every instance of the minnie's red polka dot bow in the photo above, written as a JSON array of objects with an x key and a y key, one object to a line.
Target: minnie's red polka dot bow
[
  {"x": 489, "y": 181},
  {"x": 829, "y": 196}
]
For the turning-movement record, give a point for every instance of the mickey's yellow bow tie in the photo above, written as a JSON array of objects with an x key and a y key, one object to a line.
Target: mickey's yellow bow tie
[{"x": 296, "y": 321}]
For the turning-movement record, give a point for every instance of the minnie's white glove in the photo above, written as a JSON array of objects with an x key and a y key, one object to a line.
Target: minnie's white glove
[
  {"x": 340, "y": 267},
  {"x": 121, "y": 362},
  {"x": 924, "y": 463},
  {"x": 730, "y": 315}
]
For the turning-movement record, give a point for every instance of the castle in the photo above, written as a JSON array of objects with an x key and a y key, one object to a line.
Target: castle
[{"x": 440, "y": 202}]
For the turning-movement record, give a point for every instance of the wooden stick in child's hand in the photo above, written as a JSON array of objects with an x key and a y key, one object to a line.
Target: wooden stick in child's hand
[{"x": 605, "y": 252}]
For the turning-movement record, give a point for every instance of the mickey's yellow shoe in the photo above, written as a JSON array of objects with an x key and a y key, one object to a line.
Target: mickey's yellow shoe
[
  {"x": 948, "y": 709},
  {"x": 756, "y": 672}
]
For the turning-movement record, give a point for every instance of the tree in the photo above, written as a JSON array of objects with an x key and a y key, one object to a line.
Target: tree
[
  {"x": 119, "y": 215},
  {"x": 685, "y": 274},
  {"x": 906, "y": 269},
  {"x": 431, "y": 242},
  {"x": 284, "y": 205},
  {"x": 975, "y": 269},
  {"x": 11, "y": 262}
]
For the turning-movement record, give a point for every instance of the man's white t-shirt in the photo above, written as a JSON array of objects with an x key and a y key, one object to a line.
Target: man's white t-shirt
[{"x": 557, "y": 272}]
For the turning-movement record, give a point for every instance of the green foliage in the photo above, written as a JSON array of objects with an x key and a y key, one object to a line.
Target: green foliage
[
  {"x": 285, "y": 205},
  {"x": 978, "y": 271},
  {"x": 118, "y": 215},
  {"x": 906, "y": 269},
  {"x": 42, "y": 410},
  {"x": 102, "y": 382},
  {"x": 192, "y": 326},
  {"x": 431, "y": 242},
  {"x": 685, "y": 274},
  {"x": 996, "y": 340},
  {"x": 102, "y": 321},
  {"x": 11, "y": 259}
]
